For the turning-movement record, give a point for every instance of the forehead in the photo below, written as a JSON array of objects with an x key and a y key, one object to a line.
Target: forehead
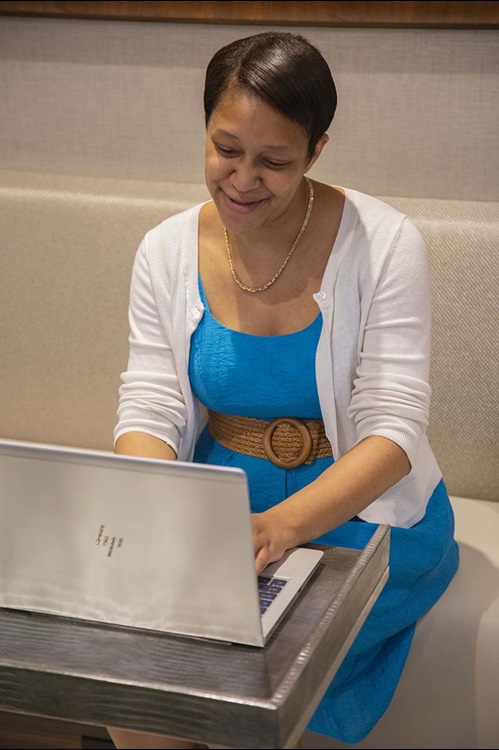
[{"x": 245, "y": 117}]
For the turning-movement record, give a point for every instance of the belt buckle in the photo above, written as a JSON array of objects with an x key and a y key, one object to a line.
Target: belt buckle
[{"x": 305, "y": 435}]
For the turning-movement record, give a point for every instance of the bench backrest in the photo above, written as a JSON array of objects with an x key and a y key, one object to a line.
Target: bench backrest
[{"x": 68, "y": 245}]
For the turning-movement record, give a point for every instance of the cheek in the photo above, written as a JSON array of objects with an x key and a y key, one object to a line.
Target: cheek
[
  {"x": 216, "y": 168},
  {"x": 282, "y": 185}
]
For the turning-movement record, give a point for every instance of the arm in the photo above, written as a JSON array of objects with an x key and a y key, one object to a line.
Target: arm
[
  {"x": 347, "y": 487},
  {"x": 388, "y": 407},
  {"x": 143, "y": 444},
  {"x": 151, "y": 411}
]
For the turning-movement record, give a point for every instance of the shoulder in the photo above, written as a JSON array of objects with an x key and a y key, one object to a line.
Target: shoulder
[
  {"x": 378, "y": 225},
  {"x": 371, "y": 210},
  {"x": 179, "y": 228},
  {"x": 168, "y": 251}
]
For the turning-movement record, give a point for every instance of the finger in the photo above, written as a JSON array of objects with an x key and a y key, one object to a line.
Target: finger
[{"x": 261, "y": 560}]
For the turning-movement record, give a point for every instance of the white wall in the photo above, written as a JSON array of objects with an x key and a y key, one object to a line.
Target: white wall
[{"x": 418, "y": 109}]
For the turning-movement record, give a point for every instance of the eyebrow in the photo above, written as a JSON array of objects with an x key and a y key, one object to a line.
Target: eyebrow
[{"x": 268, "y": 147}]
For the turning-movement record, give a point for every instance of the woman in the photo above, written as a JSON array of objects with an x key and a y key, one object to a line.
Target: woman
[{"x": 283, "y": 297}]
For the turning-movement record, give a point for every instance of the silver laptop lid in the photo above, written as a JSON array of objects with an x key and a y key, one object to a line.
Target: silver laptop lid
[{"x": 151, "y": 544}]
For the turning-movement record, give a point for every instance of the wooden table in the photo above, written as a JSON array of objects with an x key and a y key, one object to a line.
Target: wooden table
[{"x": 206, "y": 691}]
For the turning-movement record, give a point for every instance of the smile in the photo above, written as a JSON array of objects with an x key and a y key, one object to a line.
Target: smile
[{"x": 241, "y": 208}]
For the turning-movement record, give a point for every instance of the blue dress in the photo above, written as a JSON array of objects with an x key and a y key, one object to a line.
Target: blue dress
[{"x": 274, "y": 376}]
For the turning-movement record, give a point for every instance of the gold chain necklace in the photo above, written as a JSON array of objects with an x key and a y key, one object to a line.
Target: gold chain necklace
[{"x": 274, "y": 278}]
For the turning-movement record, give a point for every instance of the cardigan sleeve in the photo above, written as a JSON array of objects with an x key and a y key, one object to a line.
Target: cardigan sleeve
[
  {"x": 391, "y": 395},
  {"x": 150, "y": 397}
]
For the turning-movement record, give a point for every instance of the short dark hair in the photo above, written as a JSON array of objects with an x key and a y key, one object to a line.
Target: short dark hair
[{"x": 284, "y": 70}]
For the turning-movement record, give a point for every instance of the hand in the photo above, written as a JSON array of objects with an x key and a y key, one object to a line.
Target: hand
[{"x": 268, "y": 540}]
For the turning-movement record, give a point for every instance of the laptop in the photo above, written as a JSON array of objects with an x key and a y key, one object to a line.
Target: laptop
[{"x": 160, "y": 545}]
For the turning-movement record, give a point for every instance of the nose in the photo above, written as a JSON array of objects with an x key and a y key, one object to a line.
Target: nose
[{"x": 245, "y": 177}]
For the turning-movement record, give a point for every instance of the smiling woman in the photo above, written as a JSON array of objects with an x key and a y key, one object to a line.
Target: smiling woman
[
  {"x": 264, "y": 133},
  {"x": 260, "y": 198},
  {"x": 286, "y": 301}
]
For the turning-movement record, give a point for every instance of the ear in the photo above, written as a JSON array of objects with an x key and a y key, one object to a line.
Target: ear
[{"x": 317, "y": 151}]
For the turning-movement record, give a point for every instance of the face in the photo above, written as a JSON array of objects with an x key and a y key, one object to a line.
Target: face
[{"x": 255, "y": 162}]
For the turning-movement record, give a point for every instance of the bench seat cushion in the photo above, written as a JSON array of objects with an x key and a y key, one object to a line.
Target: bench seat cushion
[{"x": 449, "y": 691}]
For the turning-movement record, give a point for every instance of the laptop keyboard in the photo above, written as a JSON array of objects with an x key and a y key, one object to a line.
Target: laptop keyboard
[{"x": 268, "y": 588}]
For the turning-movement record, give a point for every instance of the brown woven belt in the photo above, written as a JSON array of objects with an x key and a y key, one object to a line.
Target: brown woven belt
[{"x": 286, "y": 441}]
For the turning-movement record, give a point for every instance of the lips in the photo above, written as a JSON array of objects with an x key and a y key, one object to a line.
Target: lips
[{"x": 242, "y": 207}]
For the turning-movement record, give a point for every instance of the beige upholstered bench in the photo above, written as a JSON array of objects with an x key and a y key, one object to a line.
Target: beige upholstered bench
[{"x": 68, "y": 245}]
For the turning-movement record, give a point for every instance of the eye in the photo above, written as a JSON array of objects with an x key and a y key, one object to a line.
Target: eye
[
  {"x": 275, "y": 164},
  {"x": 227, "y": 152}
]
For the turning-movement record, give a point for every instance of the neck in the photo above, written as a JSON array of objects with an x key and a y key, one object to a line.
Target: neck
[
  {"x": 276, "y": 236},
  {"x": 246, "y": 286}
]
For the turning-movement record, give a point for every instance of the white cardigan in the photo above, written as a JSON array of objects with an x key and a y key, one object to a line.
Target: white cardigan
[{"x": 372, "y": 362}]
